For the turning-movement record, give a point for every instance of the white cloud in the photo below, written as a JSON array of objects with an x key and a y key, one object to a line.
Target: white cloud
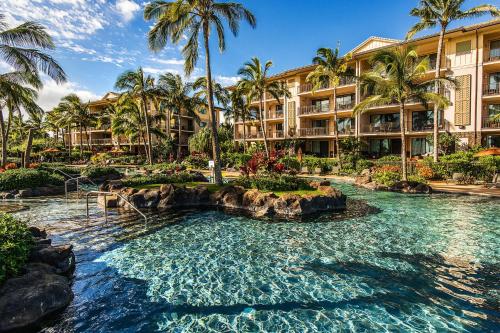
[
  {"x": 155, "y": 70},
  {"x": 227, "y": 80},
  {"x": 5, "y": 67},
  {"x": 77, "y": 48},
  {"x": 172, "y": 61},
  {"x": 127, "y": 9},
  {"x": 52, "y": 93}
]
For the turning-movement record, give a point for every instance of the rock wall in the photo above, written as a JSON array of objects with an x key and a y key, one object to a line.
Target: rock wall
[
  {"x": 365, "y": 180},
  {"x": 230, "y": 198},
  {"x": 42, "y": 289}
]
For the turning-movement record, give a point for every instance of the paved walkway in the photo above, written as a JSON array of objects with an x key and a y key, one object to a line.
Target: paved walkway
[{"x": 465, "y": 189}]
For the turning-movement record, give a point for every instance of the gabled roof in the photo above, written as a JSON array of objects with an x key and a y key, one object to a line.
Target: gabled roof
[
  {"x": 110, "y": 95},
  {"x": 374, "y": 42}
]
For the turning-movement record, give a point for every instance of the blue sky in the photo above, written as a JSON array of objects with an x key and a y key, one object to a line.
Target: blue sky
[{"x": 98, "y": 39}]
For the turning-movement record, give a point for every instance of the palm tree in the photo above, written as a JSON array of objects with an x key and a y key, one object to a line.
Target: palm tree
[
  {"x": 34, "y": 124},
  {"x": 176, "y": 95},
  {"x": 13, "y": 96},
  {"x": 221, "y": 94},
  {"x": 137, "y": 85},
  {"x": 77, "y": 112},
  {"x": 330, "y": 70},
  {"x": 21, "y": 47},
  {"x": 255, "y": 85},
  {"x": 239, "y": 110},
  {"x": 176, "y": 19},
  {"x": 398, "y": 76},
  {"x": 442, "y": 12}
]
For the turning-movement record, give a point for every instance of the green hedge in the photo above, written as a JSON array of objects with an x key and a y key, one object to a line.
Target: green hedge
[
  {"x": 15, "y": 244},
  {"x": 273, "y": 183},
  {"x": 181, "y": 177},
  {"x": 28, "y": 178},
  {"x": 61, "y": 166},
  {"x": 96, "y": 172},
  {"x": 174, "y": 166}
]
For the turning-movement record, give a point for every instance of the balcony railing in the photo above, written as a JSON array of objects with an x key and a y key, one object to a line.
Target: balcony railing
[
  {"x": 494, "y": 55},
  {"x": 345, "y": 106},
  {"x": 316, "y": 131},
  {"x": 274, "y": 114},
  {"x": 492, "y": 89},
  {"x": 346, "y": 131},
  {"x": 256, "y": 135},
  {"x": 275, "y": 134},
  {"x": 345, "y": 81},
  {"x": 489, "y": 122},
  {"x": 389, "y": 127},
  {"x": 314, "y": 109}
]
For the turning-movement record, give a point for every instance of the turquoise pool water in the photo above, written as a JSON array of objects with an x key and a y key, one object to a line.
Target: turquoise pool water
[{"x": 421, "y": 264}]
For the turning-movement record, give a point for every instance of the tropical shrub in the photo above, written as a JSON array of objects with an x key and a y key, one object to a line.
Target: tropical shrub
[
  {"x": 311, "y": 163},
  {"x": 15, "y": 244},
  {"x": 389, "y": 158},
  {"x": 72, "y": 171},
  {"x": 166, "y": 167},
  {"x": 100, "y": 158},
  {"x": 487, "y": 167},
  {"x": 363, "y": 164},
  {"x": 273, "y": 182},
  {"x": 424, "y": 171},
  {"x": 10, "y": 166},
  {"x": 180, "y": 177},
  {"x": 291, "y": 163},
  {"x": 196, "y": 161},
  {"x": 96, "y": 172},
  {"x": 387, "y": 175},
  {"x": 28, "y": 178},
  {"x": 417, "y": 178}
]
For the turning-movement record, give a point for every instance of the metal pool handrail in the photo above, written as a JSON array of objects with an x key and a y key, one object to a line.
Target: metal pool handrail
[
  {"x": 77, "y": 184},
  {"x": 59, "y": 170},
  {"x": 106, "y": 207}
]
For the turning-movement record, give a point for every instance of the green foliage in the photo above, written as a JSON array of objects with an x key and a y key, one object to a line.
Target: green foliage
[
  {"x": 100, "y": 158},
  {"x": 61, "y": 166},
  {"x": 389, "y": 158},
  {"x": 417, "y": 178},
  {"x": 180, "y": 177},
  {"x": 96, "y": 172},
  {"x": 273, "y": 182},
  {"x": 15, "y": 244},
  {"x": 387, "y": 178},
  {"x": 363, "y": 164},
  {"x": 201, "y": 142},
  {"x": 76, "y": 155},
  {"x": 446, "y": 142},
  {"x": 166, "y": 167},
  {"x": 324, "y": 164},
  {"x": 291, "y": 163},
  {"x": 196, "y": 161},
  {"x": 28, "y": 178},
  {"x": 234, "y": 160}
]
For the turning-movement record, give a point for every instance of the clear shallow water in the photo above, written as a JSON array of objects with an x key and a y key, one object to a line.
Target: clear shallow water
[{"x": 423, "y": 263}]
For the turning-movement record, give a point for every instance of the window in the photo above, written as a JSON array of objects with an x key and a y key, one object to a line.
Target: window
[
  {"x": 492, "y": 141},
  {"x": 420, "y": 147},
  {"x": 319, "y": 123},
  {"x": 379, "y": 147},
  {"x": 203, "y": 111},
  {"x": 494, "y": 81},
  {"x": 279, "y": 108},
  {"x": 493, "y": 110},
  {"x": 464, "y": 47},
  {"x": 345, "y": 125},
  {"x": 279, "y": 127},
  {"x": 462, "y": 100},
  {"x": 345, "y": 102},
  {"x": 383, "y": 119},
  {"x": 203, "y": 124},
  {"x": 423, "y": 120},
  {"x": 495, "y": 50},
  {"x": 322, "y": 104}
]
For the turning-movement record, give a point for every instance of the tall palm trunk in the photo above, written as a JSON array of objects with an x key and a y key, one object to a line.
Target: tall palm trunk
[
  {"x": 4, "y": 138},
  {"x": 69, "y": 143},
  {"x": 29, "y": 144},
  {"x": 403, "y": 140},
  {"x": 148, "y": 133},
  {"x": 81, "y": 141},
  {"x": 87, "y": 137},
  {"x": 261, "y": 116},
  {"x": 436, "y": 90},
  {"x": 244, "y": 134},
  {"x": 179, "y": 132},
  {"x": 211, "y": 110}
]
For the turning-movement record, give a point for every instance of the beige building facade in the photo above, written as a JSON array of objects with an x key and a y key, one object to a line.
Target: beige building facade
[{"x": 471, "y": 56}]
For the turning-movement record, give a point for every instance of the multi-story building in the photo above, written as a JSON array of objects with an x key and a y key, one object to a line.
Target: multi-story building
[
  {"x": 102, "y": 138},
  {"x": 471, "y": 56}
]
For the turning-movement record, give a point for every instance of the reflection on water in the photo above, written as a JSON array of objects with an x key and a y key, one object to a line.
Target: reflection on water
[{"x": 418, "y": 263}]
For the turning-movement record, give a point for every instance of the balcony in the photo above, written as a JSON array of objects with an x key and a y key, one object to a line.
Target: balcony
[
  {"x": 348, "y": 130},
  {"x": 274, "y": 115},
  {"x": 490, "y": 123},
  {"x": 275, "y": 134},
  {"x": 256, "y": 135},
  {"x": 316, "y": 131},
  {"x": 313, "y": 109},
  {"x": 389, "y": 127},
  {"x": 492, "y": 89},
  {"x": 346, "y": 106},
  {"x": 307, "y": 87}
]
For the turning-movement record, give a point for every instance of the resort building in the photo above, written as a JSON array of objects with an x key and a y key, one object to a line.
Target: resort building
[
  {"x": 471, "y": 56},
  {"x": 102, "y": 139}
]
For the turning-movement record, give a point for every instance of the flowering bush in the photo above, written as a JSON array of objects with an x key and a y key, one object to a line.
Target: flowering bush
[
  {"x": 425, "y": 171},
  {"x": 387, "y": 174},
  {"x": 33, "y": 166},
  {"x": 10, "y": 166},
  {"x": 196, "y": 161}
]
